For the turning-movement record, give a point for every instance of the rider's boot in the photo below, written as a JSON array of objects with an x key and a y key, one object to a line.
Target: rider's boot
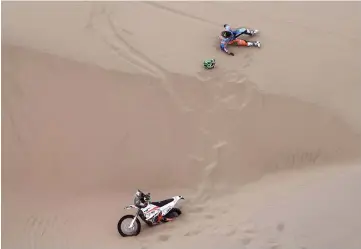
[
  {"x": 251, "y": 32},
  {"x": 253, "y": 44}
]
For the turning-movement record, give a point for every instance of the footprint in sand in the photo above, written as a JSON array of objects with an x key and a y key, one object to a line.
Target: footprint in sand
[
  {"x": 209, "y": 216},
  {"x": 227, "y": 231},
  {"x": 231, "y": 232},
  {"x": 164, "y": 237},
  {"x": 195, "y": 209},
  {"x": 246, "y": 240},
  {"x": 193, "y": 233},
  {"x": 249, "y": 230},
  {"x": 274, "y": 245},
  {"x": 280, "y": 227},
  {"x": 221, "y": 210}
]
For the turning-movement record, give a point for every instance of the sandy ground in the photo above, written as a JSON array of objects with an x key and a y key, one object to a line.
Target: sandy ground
[{"x": 99, "y": 99}]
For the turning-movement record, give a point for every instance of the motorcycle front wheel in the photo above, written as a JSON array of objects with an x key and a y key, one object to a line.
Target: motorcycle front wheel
[{"x": 123, "y": 226}]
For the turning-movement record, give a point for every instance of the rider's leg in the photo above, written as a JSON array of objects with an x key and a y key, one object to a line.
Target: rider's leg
[
  {"x": 244, "y": 31},
  {"x": 239, "y": 32},
  {"x": 240, "y": 42}
]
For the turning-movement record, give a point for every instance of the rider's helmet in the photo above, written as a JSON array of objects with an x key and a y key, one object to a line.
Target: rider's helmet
[
  {"x": 209, "y": 64},
  {"x": 226, "y": 34}
]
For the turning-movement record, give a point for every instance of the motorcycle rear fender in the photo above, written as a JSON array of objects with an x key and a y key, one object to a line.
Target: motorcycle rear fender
[
  {"x": 177, "y": 198},
  {"x": 165, "y": 209}
]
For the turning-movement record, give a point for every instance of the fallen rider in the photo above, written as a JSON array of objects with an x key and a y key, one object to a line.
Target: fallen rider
[{"x": 230, "y": 37}]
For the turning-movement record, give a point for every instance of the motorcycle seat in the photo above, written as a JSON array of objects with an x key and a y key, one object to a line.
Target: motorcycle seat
[{"x": 162, "y": 203}]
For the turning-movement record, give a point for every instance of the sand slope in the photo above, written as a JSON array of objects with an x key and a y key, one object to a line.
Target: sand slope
[{"x": 95, "y": 105}]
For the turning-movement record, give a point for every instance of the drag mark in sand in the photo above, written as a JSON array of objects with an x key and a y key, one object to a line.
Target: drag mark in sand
[
  {"x": 230, "y": 85},
  {"x": 248, "y": 91},
  {"x": 206, "y": 183},
  {"x": 241, "y": 92},
  {"x": 238, "y": 91}
]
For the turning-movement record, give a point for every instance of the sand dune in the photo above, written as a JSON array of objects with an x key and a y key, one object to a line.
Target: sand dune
[{"x": 98, "y": 101}]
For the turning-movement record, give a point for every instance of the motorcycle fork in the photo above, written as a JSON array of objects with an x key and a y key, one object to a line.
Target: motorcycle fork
[{"x": 132, "y": 223}]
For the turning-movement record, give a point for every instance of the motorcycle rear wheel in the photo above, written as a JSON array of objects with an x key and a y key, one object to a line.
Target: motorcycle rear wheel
[{"x": 173, "y": 213}]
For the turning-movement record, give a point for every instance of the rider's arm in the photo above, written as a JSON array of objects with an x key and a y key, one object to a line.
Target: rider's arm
[{"x": 223, "y": 47}]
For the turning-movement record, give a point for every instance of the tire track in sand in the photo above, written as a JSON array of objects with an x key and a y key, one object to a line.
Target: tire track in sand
[
  {"x": 139, "y": 59},
  {"x": 181, "y": 13},
  {"x": 95, "y": 18}
]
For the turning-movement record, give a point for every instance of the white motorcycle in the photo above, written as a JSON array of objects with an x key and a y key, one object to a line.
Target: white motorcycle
[{"x": 153, "y": 214}]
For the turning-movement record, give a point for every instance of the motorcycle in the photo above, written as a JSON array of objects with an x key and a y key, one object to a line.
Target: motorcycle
[{"x": 165, "y": 210}]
